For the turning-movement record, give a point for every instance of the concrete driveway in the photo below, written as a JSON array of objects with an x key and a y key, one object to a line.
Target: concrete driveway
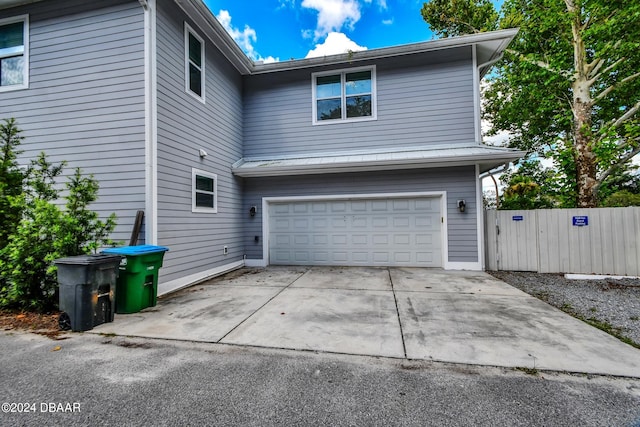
[{"x": 430, "y": 314}]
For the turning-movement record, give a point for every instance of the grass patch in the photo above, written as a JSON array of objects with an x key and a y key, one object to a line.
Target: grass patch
[
  {"x": 529, "y": 371},
  {"x": 602, "y": 325}
]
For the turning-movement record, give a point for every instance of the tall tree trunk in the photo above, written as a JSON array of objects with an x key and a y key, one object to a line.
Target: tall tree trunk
[
  {"x": 584, "y": 156},
  {"x": 582, "y": 113}
]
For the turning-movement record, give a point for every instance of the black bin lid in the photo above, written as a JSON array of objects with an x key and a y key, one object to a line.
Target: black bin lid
[{"x": 88, "y": 259}]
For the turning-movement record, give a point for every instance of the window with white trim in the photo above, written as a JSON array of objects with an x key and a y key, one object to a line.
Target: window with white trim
[
  {"x": 205, "y": 192},
  {"x": 194, "y": 63},
  {"x": 14, "y": 53},
  {"x": 346, "y": 95}
]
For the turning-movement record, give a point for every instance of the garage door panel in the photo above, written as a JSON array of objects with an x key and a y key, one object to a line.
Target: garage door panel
[
  {"x": 402, "y": 257},
  {"x": 360, "y": 239},
  {"x": 401, "y": 221},
  {"x": 359, "y": 222},
  {"x": 360, "y": 257},
  {"x": 402, "y": 239},
  {"x": 401, "y": 231},
  {"x": 425, "y": 257},
  {"x": 338, "y": 207},
  {"x": 380, "y": 222}
]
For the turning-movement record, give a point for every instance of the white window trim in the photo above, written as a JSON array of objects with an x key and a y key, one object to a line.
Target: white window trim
[
  {"x": 342, "y": 73},
  {"x": 199, "y": 209},
  {"x": 188, "y": 30},
  {"x": 25, "y": 54}
]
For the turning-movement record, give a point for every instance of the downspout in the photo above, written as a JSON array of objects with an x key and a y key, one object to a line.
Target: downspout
[
  {"x": 478, "y": 136},
  {"x": 151, "y": 122},
  {"x": 477, "y": 91},
  {"x": 491, "y": 174}
]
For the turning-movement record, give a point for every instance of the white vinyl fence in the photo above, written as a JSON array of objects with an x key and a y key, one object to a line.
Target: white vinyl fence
[{"x": 599, "y": 241}]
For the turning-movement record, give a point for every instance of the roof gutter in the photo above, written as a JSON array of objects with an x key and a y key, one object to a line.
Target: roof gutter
[{"x": 505, "y": 36}]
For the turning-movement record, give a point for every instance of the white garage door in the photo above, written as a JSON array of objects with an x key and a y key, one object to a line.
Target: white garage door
[{"x": 385, "y": 232}]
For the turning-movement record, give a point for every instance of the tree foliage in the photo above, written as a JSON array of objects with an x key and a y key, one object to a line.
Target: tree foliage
[
  {"x": 568, "y": 88},
  {"x": 524, "y": 193},
  {"x": 44, "y": 231},
  {"x": 11, "y": 178},
  {"x": 455, "y": 17}
]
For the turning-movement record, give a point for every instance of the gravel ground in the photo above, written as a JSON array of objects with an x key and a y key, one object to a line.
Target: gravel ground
[{"x": 610, "y": 302}]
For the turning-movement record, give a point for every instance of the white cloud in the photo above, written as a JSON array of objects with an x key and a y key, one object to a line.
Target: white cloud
[
  {"x": 387, "y": 21},
  {"x": 333, "y": 15},
  {"x": 334, "y": 44},
  {"x": 245, "y": 38}
]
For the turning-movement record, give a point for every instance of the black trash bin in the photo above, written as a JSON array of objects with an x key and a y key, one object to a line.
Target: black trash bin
[{"x": 87, "y": 290}]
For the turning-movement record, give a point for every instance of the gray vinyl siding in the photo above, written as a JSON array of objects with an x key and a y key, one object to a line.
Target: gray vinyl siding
[
  {"x": 424, "y": 100},
  {"x": 185, "y": 125},
  {"x": 85, "y": 101},
  {"x": 458, "y": 182}
]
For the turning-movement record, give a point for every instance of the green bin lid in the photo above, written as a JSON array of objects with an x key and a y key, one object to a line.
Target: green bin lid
[{"x": 135, "y": 250}]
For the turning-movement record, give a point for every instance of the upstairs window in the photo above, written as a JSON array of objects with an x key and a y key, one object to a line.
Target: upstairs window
[
  {"x": 205, "y": 192},
  {"x": 14, "y": 45},
  {"x": 347, "y": 95},
  {"x": 194, "y": 63}
]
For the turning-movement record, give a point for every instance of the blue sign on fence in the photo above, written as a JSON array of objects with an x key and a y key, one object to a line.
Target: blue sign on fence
[
  {"x": 580, "y": 221},
  {"x": 517, "y": 218}
]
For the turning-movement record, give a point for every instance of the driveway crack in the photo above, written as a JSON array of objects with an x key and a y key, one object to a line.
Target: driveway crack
[
  {"x": 262, "y": 306},
  {"x": 395, "y": 299}
]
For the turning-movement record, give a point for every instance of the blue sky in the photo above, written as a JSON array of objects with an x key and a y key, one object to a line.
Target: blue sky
[{"x": 279, "y": 30}]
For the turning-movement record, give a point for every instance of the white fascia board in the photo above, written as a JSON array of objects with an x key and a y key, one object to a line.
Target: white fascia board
[
  {"x": 495, "y": 42},
  {"x": 321, "y": 166},
  {"x": 215, "y": 32}
]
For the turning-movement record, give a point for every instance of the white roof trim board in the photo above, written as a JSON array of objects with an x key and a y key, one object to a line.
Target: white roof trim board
[
  {"x": 486, "y": 157},
  {"x": 489, "y": 45}
]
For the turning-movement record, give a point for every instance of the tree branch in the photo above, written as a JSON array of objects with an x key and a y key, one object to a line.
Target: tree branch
[
  {"x": 594, "y": 66},
  {"x": 541, "y": 64},
  {"x": 608, "y": 90},
  {"x": 613, "y": 167},
  {"x": 626, "y": 116}
]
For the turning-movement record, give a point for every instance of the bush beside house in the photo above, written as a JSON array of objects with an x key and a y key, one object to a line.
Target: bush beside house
[{"x": 35, "y": 230}]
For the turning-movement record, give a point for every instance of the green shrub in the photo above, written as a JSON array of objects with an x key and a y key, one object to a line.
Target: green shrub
[
  {"x": 44, "y": 232},
  {"x": 11, "y": 179},
  {"x": 622, "y": 198}
]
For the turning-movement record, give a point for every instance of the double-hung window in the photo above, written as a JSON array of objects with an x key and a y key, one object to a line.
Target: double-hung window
[
  {"x": 14, "y": 53},
  {"x": 194, "y": 63},
  {"x": 205, "y": 192},
  {"x": 347, "y": 95}
]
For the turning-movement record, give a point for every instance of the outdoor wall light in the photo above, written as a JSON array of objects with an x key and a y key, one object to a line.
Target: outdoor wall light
[
  {"x": 253, "y": 210},
  {"x": 462, "y": 205},
  {"x": 202, "y": 153}
]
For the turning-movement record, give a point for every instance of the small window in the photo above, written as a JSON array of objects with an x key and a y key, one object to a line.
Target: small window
[
  {"x": 14, "y": 56},
  {"x": 194, "y": 63},
  {"x": 344, "y": 96},
  {"x": 205, "y": 192}
]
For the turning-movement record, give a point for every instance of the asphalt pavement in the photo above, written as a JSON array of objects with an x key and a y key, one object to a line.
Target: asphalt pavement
[{"x": 90, "y": 379}]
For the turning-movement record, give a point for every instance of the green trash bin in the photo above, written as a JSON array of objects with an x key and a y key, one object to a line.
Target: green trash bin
[{"x": 137, "y": 285}]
